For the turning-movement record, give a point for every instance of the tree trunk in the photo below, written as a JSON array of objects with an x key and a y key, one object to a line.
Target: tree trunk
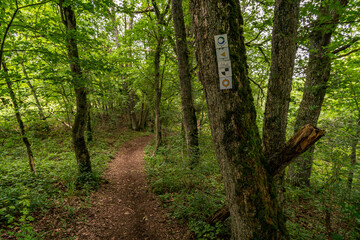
[
  {"x": 79, "y": 126},
  {"x": 33, "y": 91},
  {"x": 317, "y": 76},
  {"x": 188, "y": 110},
  {"x": 134, "y": 122},
  {"x": 89, "y": 128},
  {"x": 353, "y": 155},
  {"x": 158, "y": 138},
  {"x": 283, "y": 52},
  {"x": 254, "y": 210},
  {"x": 19, "y": 120}
]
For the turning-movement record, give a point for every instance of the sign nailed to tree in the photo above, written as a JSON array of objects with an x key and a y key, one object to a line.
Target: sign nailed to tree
[{"x": 224, "y": 63}]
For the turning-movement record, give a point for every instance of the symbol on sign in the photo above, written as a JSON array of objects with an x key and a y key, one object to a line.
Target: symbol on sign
[
  {"x": 221, "y": 40},
  {"x": 226, "y": 82},
  {"x": 222, "y": 54},
  {"x": 225, "y": 68}
]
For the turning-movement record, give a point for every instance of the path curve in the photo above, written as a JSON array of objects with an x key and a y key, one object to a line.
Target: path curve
[{"x": 124, "y": 208}]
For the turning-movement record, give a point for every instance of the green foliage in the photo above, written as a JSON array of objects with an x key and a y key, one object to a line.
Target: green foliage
[{"x": 192, "y": 195}]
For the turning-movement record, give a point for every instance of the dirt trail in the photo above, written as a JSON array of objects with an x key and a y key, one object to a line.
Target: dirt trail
[{"x": 124, "y": 208}]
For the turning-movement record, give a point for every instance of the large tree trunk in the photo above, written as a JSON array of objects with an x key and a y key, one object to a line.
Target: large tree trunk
[
  {"x": 250, "y": 191},
  {"x": 188, "y": 110},
  {"x": 317, "y": 76},
  {"x": 79, "y": 126},
  {"x": 19, "y": 120}
]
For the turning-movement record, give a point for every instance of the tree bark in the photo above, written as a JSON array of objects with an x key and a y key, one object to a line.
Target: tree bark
[
  {"x": 250, "y": 191},
  {"x": 79, "y": 126},
  {"x": 19, "y": 120},
  {"x": 317, "y": 76},
  {"x": 188, "y": 110}
]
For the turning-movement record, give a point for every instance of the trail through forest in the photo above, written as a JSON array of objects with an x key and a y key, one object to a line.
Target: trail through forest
[{"x": 124, "y": 208}]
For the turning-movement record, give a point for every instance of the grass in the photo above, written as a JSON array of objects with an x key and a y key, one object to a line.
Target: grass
[
  {"x": 26, "y": 198},
  {"x": 190, "y": 194}
]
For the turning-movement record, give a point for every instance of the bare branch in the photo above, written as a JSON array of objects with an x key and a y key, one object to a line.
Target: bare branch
[{"x": 347, "y": 54}]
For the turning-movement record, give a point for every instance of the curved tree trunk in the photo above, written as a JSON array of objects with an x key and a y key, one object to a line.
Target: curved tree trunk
[
  {"x": 79, "y": 126},
  {"x": 19, "y": 120},
  {"x": 317, "y": 76},
  {"x": 188, "y": 110},
  {"x": 250, "y": 191}
]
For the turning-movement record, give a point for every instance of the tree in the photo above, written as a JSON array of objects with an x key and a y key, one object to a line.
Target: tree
[
  {"x": 162, "y": 22},
  {"x": 247, "y": 172},
  {"x": 19, "y": 120},
  {"x": 188, "y": 110},
  {"x": 317, "y": 77},
  {"x": 79, "y": 126}
]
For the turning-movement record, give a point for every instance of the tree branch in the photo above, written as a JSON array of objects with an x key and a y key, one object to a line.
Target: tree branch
[
  {"x": 347, "y": 54},
  {"x": 299, "y": 143},
  {"x": 342, "y": 48}
]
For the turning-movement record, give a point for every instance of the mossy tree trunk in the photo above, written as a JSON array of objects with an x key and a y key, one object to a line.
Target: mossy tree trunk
[
  {"x": 188, "y": 110},
  {"x": 79, "y": 126},
  {"x": 250, "y": 191},
  {"x": 317, "y": 77}
]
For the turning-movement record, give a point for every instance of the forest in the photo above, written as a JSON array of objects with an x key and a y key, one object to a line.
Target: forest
[{"x": 229, "y": 119}]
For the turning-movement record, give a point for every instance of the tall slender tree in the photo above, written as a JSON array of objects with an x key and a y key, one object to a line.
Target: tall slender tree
[
  {"x": 79, "y": 126},
  {"x": 162, "y": 22},
  {"x": 19, "y": 119},
  {"x": 317, "y": 77},
  {"x": 188, "y": 110}
]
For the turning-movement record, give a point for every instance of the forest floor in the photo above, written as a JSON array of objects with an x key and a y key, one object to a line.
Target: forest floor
[{"x": 123, "y": 207}]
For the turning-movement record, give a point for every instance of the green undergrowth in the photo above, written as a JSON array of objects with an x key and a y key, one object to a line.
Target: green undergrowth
[
  {"x": 191, "y": 195},
  {"x": 25, "y": 198}
]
